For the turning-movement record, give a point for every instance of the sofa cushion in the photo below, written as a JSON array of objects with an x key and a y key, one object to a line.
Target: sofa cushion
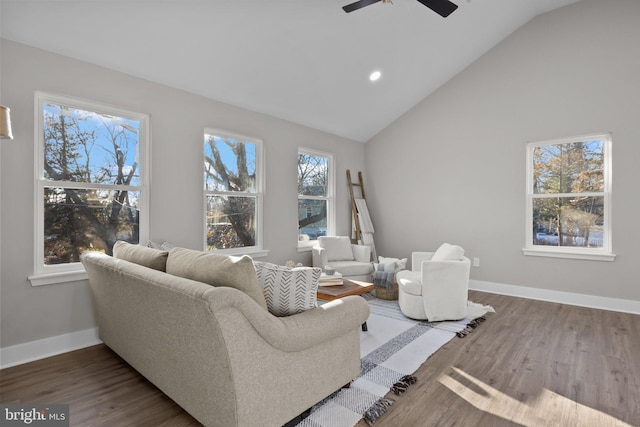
[
  {"x": 338, "y": 248},
  {"x": 409, "y": 282},
  {"x": 447, "y": 252},
  {"x": 352, "y": 268},
  {"x": 147, "y": 257},
  {"x": 216, "y": 270},
  {"x": 287, "y": 290}
]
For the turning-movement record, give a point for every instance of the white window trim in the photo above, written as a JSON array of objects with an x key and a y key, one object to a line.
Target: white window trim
[
  {"x": 63, "y": 273},
  {"x": 258, "y": 250},
  {"x": 594, "y": 254},
  {"x": 306, "y": 245}
]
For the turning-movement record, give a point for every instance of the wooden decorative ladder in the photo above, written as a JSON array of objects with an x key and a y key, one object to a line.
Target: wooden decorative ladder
[{"x": 354, "y": 209}]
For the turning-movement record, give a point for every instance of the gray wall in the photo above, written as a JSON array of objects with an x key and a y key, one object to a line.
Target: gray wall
[
  {"x": 177, "y": 123},
  {"x": 452, "y": 169}
]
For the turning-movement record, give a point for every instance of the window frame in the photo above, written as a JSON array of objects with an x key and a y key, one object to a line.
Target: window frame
[
  {"x": 60, "y": 273},
  {"x": 258, "y": 250},
  {"x": 306, "y": 245},
  {"x": 596, "y": 254}
]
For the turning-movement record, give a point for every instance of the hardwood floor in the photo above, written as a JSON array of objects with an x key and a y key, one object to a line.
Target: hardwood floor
[{"x": 532, "y": 363}]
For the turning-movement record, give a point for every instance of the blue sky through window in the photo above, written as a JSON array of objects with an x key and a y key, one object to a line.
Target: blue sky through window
[
  {"x": 108, "y": 134},
  {"x": 228, "y": 157}
]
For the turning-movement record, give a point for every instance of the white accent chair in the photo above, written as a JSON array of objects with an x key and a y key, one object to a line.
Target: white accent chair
[
  {"x": 436, "y": 288},
  {"x": 352, "y": 261}
]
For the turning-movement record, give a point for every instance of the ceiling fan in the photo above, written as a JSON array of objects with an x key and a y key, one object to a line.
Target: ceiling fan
[{"x": 443, "y": 8}]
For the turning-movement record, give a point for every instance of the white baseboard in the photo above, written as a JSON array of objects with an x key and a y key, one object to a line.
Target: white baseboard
[
  {"x": 581, "y": 300},
  {"x": 35, "y": 350}
]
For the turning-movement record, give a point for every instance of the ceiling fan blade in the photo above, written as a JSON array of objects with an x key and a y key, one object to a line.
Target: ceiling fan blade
[
  {"x": 358, "y": 5},
  {"x": 443, "y": 8}
]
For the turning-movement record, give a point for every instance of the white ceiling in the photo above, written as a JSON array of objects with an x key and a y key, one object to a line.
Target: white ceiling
[{"x": 305, "y": 61}]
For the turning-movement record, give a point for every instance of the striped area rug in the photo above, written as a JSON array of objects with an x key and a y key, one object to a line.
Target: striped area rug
[{"x": 391, "y": 350}]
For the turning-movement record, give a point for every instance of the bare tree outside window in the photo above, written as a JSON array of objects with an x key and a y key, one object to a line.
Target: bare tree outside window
[
  {"x": 313, "y": 195},
  {"x": 231, "y": 191},
  {"x": 90, "y": 182},
  {"x": 568, "y": 191}
]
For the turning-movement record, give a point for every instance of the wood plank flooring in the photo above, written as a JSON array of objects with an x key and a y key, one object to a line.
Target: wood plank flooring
[{"x": 532, "y": 363}]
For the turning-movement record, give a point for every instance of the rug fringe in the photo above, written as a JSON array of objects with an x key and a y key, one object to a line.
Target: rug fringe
[
  {"x": 376, "y": 410},
  {"x": 380, "y": 407},
  {"x": 471, "y": 326},
  {"x": 403, "y": 384}
]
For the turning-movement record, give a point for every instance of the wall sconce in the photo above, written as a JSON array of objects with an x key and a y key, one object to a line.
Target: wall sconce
[{"x": 5, "y": 123}]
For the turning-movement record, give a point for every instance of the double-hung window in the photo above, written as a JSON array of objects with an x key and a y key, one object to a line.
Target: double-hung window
[
  {"x": 91, "y": 177},
  {"x": 316, "y": 190},
  {"x": 233, "y": 187},
  {"x": 569, "y": 198}
]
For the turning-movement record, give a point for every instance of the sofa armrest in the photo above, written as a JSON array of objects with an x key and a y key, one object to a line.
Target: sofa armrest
[
  {"x": 319, "y": 257},
  {"x": 361, "y": 253},
  {"x": 417, "y": 258},
  {"x": 292, "y": 333}
]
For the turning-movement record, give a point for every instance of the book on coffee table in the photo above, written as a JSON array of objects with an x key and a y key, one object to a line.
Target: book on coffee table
[{"x": 330, "y": 279}]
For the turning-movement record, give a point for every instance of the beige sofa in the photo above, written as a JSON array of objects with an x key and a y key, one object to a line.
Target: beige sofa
[{"x": 213, "y": 349}]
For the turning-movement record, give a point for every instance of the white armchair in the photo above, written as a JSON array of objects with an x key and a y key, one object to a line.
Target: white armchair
[
  {"x": 352, "y": 261},
  {"x": 436, "y": 288}
]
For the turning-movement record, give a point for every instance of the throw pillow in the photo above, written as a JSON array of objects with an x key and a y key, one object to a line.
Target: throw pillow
[
  {"x": 154, "y": 245},
  {"x": 165, "y": 246},
  {"x": 147, "y": 257},
  {"x": 391, "y": 265},
  {"x": 216, "y": 270},
  {"x": 287, "y": 290},
  {"x": 338, "y": 248},
  {"x": 448, "y": 252}
]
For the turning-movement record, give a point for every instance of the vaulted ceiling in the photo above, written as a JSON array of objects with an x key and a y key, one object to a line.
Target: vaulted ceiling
[{"x": 306, "y": 61}]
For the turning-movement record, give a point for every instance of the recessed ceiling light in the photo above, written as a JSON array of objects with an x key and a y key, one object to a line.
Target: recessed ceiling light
[{"x": 375, "y": 76}]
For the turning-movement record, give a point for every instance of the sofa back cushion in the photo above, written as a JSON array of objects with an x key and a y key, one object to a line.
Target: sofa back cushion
[
  {"x": 217, "y": 270},
  {"x": 147, "y": 257},
  {"x": 338, "y": 248},
  {"x": 288, "y": 290}
]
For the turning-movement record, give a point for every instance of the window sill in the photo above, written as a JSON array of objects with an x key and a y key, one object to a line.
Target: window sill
[
  {"x": 576, "y": 254},
  {"x": 258, "y": 253},
  {"x": 60, "y": 277},
  {"x": 253, "y": 253}
]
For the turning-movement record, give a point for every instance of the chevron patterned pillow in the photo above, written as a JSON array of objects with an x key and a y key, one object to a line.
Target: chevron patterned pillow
[{"x": 288, "y": 290}]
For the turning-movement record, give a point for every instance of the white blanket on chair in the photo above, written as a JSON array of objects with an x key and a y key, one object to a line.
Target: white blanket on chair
[{"x": 366, "y": 227}]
